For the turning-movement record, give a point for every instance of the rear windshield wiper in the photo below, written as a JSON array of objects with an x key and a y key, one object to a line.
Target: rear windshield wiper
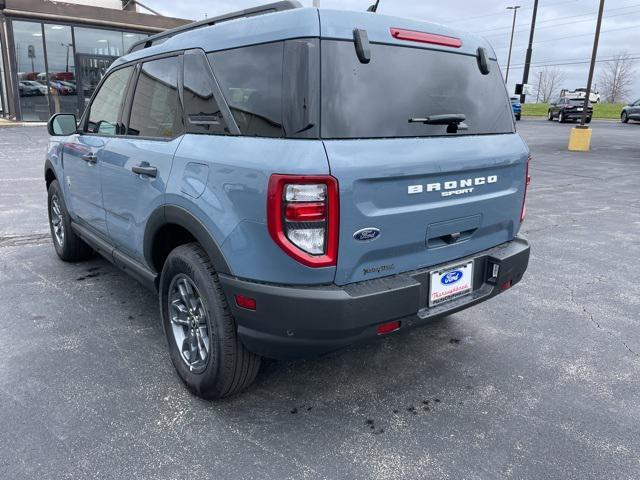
[{"x": 453, "y": 121}]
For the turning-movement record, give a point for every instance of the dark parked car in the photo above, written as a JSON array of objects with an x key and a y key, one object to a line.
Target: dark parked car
[
  {"x": 631, "y": 112},
  {"x": 516, "y": 106},
  {"x": 568, "y": 109}
]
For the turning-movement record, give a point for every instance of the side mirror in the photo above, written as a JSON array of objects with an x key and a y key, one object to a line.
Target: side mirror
[{"x": 62, "y": 124}]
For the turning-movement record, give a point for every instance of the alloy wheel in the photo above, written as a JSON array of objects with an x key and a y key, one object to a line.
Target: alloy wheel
[
  {"x": 189, "y": 323},
  {"x": 57, "y": 222}
]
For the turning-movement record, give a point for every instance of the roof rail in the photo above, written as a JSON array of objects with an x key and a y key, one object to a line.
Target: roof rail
[{"x": 249, "y": 12}]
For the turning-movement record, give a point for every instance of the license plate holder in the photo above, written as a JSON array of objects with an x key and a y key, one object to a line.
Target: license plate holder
[{"x": 450, "y": 283}]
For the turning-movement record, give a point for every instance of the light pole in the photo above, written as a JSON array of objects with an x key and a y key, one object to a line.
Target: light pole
[
  {"x": 513, "y": 28},
  {"x": 596, "y": 40},
  {"x": 580, "y": 138},
  {"x": 527, "y": 62}
]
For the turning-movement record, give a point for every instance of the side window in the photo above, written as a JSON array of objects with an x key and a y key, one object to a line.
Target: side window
[
  {"x": 155, "y": 109},
  {"x": 202, "y": 112},
  {"x": 251, "y": 80},
  {"x": 103, "y": 113}
]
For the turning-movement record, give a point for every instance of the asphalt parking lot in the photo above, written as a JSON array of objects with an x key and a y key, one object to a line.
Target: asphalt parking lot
[{"x": 540, "y": 382}]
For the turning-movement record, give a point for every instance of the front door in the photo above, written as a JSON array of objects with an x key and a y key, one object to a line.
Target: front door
[
  {"x": 82, "y": 179},
  {"x": 135, "y": 167},
  {"x": 84, "y": 151}
]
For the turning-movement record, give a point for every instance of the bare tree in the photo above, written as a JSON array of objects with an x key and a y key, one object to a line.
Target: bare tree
[
  {"x": 616, "y": 78},
  {"x": 547, "y": 84}
]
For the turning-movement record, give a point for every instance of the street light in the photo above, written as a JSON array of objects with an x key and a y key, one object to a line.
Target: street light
[{"x": 515, "y": 14}]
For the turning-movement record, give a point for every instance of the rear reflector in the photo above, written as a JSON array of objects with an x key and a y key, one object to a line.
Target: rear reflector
[
  {"x": 388, "y": 328},
  {"x": 246, "y": 302},
  {"x": 506, "y": 285},
  {"x": 424, "y": 37}
]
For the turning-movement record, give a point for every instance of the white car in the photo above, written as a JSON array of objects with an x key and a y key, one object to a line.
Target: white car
[
  {"x": 580, "y": 93},
  {"x": 32, "y": 83}
]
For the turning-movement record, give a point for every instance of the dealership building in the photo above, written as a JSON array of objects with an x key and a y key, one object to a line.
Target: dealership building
[{"x": 53, "y": 54}]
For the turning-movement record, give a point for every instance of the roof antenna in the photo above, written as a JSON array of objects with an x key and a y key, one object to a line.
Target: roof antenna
[{"x": 373, "y": 8}]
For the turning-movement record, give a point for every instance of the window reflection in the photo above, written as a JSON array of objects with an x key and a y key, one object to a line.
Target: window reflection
[
  {"x": 30, "y": 67},
  {"x": 61, "y": 62}
]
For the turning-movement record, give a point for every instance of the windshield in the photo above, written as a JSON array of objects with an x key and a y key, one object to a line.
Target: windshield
[{"x": 376, "y": 100}]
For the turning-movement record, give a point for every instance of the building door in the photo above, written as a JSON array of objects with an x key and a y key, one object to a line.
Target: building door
[{"x": 90, "y": 68}]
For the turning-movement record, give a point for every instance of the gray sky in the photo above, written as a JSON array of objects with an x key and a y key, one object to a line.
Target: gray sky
[{"x": 564, "y": 32}]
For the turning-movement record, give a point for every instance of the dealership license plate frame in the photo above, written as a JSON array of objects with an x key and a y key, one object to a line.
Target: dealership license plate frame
[{"x": 436, "y": 285}]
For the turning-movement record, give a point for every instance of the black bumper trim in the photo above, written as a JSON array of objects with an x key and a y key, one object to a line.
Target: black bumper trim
[{"x": 297, "y": 321}]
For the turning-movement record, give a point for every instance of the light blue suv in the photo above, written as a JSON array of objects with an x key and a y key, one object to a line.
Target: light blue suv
[{"x": 293, "y": 180}]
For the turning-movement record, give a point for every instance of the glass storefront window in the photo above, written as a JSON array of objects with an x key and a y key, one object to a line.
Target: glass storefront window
[
  {"x": 74, "y": 71},
  {"x": 96, "y": 41},
  {"x": 96, "y": 49},
  {"x": 63, "y": 92},
  {"x": 31, "y": 73}
]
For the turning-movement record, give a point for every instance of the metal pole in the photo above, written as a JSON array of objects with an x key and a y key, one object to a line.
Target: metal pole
[
  {"x": 539, "y": 85},
  {"x": 527, "y": 62},
  {"x": 596, "y": 40},
  {"x": 513, "y": 28}
]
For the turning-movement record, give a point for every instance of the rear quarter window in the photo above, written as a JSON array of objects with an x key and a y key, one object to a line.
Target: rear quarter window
[
  {"x": 251, "y": 81},
  {"x": 273, "y": 89}
]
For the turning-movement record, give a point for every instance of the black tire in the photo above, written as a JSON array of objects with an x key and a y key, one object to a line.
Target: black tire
[
  {"x": 588, "y": 120},
  {"x": 518, "y": 118},
  {"x": 550, "y": 116},
  {"x": 624, "y": 118},
  {"x": 561, "y": 117},
  {"x": 229, "y": 367},
  {"x": 69, "y": 246}
]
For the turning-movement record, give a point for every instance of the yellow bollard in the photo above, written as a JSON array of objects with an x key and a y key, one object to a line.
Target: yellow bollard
[{"x": 580, "y": 139}]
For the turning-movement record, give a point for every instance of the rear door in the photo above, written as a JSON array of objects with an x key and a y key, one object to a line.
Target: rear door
[
  {"x": 136, "y": 166},
  {"x": 84, "y": 152},
  {"x": 421, "y": 195}
]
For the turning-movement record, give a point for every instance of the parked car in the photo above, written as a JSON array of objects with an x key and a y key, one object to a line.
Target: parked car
[
  {"x": 60, "y": 88},
  {"x": 31, "y": 88},
  {"x": 631, "y": 112},
  {"x": 567, "y": 110},
  {"x": 69, "y": 85},
  {"x": 516, "y": 107},
  {"x": 292, "y": 215},
  {"x": 581, "y": 93}
]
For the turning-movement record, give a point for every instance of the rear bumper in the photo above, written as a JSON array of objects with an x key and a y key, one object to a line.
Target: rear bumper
[
  {"x": 296, "y": 321},
  {"x": 572, "y": 115}
]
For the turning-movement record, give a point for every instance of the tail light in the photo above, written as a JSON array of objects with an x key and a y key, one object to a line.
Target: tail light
[
  {"x": 527, "y": 181},
  {"x": 302, "y": 217}
]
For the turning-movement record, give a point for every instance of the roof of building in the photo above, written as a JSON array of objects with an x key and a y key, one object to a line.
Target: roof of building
[{"x": 48, "y": 10}]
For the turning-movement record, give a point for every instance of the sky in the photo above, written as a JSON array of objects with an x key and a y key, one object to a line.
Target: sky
[{"x": 564, "y": 28}]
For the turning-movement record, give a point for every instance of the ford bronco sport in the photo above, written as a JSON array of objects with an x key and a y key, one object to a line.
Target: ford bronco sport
[{"x": 293, "y": 180}]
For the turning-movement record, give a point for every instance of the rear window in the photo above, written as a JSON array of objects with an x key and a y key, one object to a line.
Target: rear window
[{"x": 376, "y": 100}]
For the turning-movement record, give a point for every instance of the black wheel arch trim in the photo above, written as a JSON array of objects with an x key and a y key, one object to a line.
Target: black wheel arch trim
[
  {"x": 176, "y": 215},
  {"x": 48, "y": 166}
]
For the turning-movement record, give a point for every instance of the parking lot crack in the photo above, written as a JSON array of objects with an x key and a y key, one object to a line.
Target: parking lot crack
[{"x": 593, "y": 320}]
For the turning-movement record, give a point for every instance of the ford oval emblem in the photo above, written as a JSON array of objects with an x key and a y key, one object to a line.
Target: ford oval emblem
[
  {"x": 367, "y": 234},
  {"x": 450, "y": 278}
]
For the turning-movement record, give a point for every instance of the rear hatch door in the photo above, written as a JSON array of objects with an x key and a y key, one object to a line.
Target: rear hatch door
[{"x": 415, "y": 194}]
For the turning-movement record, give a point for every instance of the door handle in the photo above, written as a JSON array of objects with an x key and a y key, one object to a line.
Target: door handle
[
  {"x": 90, "y": 158},
  {"x": 147, "y": 170}
]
